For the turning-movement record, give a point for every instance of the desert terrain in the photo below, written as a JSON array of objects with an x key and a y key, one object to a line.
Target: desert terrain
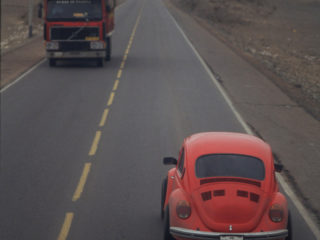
[{"x": 280, "y": 38}]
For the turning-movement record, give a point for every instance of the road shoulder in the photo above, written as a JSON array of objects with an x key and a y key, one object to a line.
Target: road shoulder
[
  {"x": 17, "y": 61},
  {"x": 289, "y": 129}
]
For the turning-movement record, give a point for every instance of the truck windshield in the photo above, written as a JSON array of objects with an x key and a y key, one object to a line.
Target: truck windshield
[{"x": 74, "y": 10}]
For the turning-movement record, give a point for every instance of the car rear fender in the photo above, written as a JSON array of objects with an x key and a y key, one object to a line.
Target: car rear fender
[
  {"x": 176, "y": 196},
  {"x": 266, "y": 224},
  {"x": 170, "y": 179}
]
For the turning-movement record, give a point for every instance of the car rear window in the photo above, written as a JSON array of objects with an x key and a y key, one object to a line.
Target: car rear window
[{"x": 230, "y": 165}]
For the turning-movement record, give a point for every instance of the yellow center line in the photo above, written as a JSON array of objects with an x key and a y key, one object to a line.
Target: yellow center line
[
  {"x": 82, "y": 182},
  {"x": 95, "y": 143},
  {"x": 110, "y": 101},
  {"x": 66, "y": 226},
  {"x": 116, "y": 84},
  {"x": 119, "y": 73},
  {"x": 83, "y": 179},
  {"x": 122, "y": 64},
  {"x": 104, "y": 117}
]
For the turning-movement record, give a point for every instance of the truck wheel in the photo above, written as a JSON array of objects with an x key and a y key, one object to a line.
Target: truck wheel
[
  {"x": 108, "y": 49},
  {"x": 163, "y": 195},
  {"x": 166, "y": 229},
  {"x": 52, "y": 62},
  {"x": 100, "y": 62}
]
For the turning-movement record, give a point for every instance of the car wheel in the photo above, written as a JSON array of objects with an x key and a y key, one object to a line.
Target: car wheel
[
  {"x": 52, "y": 62},
  {"x": 163, "y": 195},
  {"x": 289, "y": 227},
  {"x": 166, "y": 229}
]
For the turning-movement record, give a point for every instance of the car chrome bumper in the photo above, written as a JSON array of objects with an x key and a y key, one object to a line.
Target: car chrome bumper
[
  {"x": 192, "y": 234},
  {"x": 76, "y": 54}
]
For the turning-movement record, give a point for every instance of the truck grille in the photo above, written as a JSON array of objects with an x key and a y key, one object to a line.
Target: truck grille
[
  {"x": 74, "y": 46},
  {"x": 73, "y": 33}
]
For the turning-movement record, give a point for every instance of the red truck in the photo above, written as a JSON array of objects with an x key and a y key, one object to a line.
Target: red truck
[{"x": 78, "y": 29}]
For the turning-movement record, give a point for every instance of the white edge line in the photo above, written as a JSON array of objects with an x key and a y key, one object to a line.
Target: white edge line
[
  {"x": 121, "y": 4},
  {"x": 301, "y": 209},
  {"x": 214, "y": 80},
  {"x": 22, "y": 76}
]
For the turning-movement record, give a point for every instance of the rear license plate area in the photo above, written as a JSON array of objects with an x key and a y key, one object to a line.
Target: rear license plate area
[{"x": 231, "y": 238}]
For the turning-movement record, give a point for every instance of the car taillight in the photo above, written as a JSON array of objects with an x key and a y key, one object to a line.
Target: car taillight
[
  {"x": 276, "y": 213},
  {"x": 183, "y": 209}
]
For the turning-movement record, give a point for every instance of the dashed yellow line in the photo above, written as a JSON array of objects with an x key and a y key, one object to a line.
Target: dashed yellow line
[
  {"x": 116, "y": 84},
  {"x": 111, "y": 98},
  {"x": 119, "y": 73},
  {"x": 66, "y": 226},
  {"x": 83, "y": 179},
  {"x": 95, "y": 143},
  {"x": 82, "y": 182},
  {"x": 122, "y": 64},
  {"x": 104, "y": 117}
]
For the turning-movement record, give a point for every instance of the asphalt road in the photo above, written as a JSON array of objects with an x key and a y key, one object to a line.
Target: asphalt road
[{"x": 82, "y": 147}]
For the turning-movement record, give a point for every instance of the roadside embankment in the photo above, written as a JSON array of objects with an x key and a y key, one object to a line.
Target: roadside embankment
[
  {"x": 281, "y": 37},
  {"x": 19, "y": 52},
  {"x": 19, "y": 60}
]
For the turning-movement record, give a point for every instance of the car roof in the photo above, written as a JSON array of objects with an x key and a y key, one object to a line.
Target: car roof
[{"x": 226, "y": 143}]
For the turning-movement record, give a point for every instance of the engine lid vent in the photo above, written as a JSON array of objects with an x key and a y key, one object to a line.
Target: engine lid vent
[
  {"x": 206, "y": 196},
  {"x": 219, "y": 193}
]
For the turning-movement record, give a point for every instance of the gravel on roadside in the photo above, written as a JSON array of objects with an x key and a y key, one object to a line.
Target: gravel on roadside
[{"x": 280, "y": 36}]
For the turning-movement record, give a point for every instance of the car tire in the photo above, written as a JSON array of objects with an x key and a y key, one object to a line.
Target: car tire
[
  {"x": 166, "y": 229},
  {"x": 52, "y": 62},
  {"x": 289, "y": 227},
  {"x": 163, "y": 195},
  {"x": 108, "y": 49}
]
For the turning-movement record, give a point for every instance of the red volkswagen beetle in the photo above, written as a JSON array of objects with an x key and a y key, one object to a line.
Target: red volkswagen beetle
[{"x": 224, "y": 187}]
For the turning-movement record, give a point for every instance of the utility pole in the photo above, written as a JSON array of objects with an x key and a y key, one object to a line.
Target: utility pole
[{"x": 30, "y": 17}]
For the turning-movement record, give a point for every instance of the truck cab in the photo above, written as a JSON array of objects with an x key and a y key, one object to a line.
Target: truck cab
[{"x": 78, "y": 29}]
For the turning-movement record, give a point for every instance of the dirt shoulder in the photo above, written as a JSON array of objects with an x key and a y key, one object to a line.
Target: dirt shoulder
[
  {"x": 291, "y": 131},
  {"x": 19, "y": 52},
  {"x": 280, "y": 38},
  {"x": 14, "y": 24},
  {"x": 17, "y": 61}
]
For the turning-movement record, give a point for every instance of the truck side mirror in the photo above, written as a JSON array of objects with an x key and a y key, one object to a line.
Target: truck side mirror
[
  {"x": 170, "y": 161},
  {"x": 278, "y": 167},
  {"x": 40, "y": 7}
]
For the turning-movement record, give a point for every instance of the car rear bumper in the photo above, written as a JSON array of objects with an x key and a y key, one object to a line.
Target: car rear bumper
[
  {"x": 192, "y": 234},
  {"x": 76, "y": 54}
]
